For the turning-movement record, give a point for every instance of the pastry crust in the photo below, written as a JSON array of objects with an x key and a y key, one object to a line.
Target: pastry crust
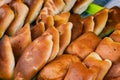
[
  {"x": 34, "y": 9},
  {"x": 104, "y": 65},
  {"x": 81, "y": 5},
  {"x": 51, "y": 7},
  {"x": 55, "y": 38},
  {"x": 79, "y": 71},
  {"x": 88, "y": 24},
  {"x": 113, "y": 20},
  {"x": 61, "y": 18},
  {"x": 100, "y": 20},
  {"x": 20, "y": 11},
  {"x": 19, "y": 41},
  {"x": 65, "y": 36},
  {"x": 68, "y": 5},
  {"x": 48, "y": 39},
  {"x": 109, "y": 49},
  {"x": 84, "y": 45},
  {"x": 77, "y": 29},
  {"x": 3, "y": 2},
  {"x": 114, "y": 72},
  {"x": 57, "y": 69},
  {"x": 7, "y": 62},
  {"x": 37, "y": 30},
  {"x": 115, "y": 36},
  {"x": 6, "y": 17},
  {"x": 34, "y": 57}
]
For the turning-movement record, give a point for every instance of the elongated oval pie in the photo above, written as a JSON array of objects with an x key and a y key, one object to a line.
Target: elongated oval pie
[
  {"x": 100, "y": 19},
  {"x": 55, "y": 37},
  {"x": 79, "y": 71},
  {"x": 109, "y": 49},
  {"x": 65, "y": 36},
  {"x": 77, "y": 29},
  {"x": 81, "y": 5},
  {"x": 6, "y": 17},
  {"x": 20, "y": 11},
  {"x": 34, "y": 9},
  {"x": 34, "y": 57},
  {"x": 94, "y": 59},
  {"x": 88, "y": 24},
  {"x": 57, "y": 69},
  {"x": 19, "y": 41},
  {"x": 7, "y": 62},
  {"x": 84, "y": 45}
]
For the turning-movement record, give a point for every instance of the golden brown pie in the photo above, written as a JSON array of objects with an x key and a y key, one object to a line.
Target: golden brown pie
[
  {"x": 6, "y": 17},
  {"x": 7, "y": 62},
  {"x": 19, "y": 41},
  {"x": 84, "y": 45},
  {"x": 20, "y": 11},
  {"x": 34, "y": 57},
  {"x": 57, "y": 69},
  {"x": 34, "y": 9},
  {"x": 65, "y": 36}
]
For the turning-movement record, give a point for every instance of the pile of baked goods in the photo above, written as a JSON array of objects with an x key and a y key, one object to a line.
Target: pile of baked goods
[{"x": 49, "y": 40}]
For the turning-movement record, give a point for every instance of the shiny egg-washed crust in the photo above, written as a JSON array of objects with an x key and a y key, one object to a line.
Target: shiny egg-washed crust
[
  {"x": 65, "y": 31},
  {"x": 79, "y": 71},
  {"x": 20, "y": 16},
  {"x": 6, "y": 17},
  {"x": 61, "y": 18},
  {"x": 81, "y": 5},
  {"x": 93, "y": 59},
  {"x": 34, "y": 57},
  {"x": 55, "y": 38},
  {"x": 115, "y": 36},
  {"x": 37, "y": 30},
  {"x": 114, "y": 72},
  {"x": 109, "y": 49},
  {"x": 51, "y": 7},
  {"x": 68, "y": 5},
  {"x": 88, "y": 24},
  {"x": 77, "y": 29},
  {"x": 37, "y": 10},
  {"x": 34, "y": 9},
  {"x": 7, "y": 62},
  {"x": 84, "y": 45},
  {"x": 100, "y": 20},
  {"x": 19, "y": 41},
  {"x": 57, "y": 69}
]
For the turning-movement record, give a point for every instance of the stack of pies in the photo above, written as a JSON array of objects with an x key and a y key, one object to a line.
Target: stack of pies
[{"x": 49, "y": 40}]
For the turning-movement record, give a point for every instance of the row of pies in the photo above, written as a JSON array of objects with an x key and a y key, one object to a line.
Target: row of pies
[
  {"x": 15, "y": 13},
  {"x": 60, "y": 46}
]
